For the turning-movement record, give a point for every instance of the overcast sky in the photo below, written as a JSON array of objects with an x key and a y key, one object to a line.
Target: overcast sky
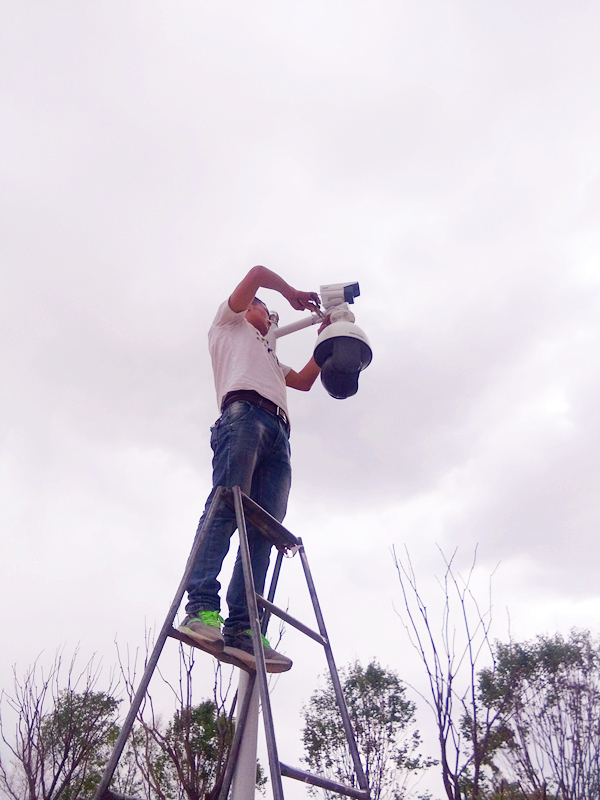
[{"x": 444, "y": 154}]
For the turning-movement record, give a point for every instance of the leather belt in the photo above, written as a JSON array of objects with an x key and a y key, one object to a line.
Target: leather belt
[{"x": 250, "y": 396}]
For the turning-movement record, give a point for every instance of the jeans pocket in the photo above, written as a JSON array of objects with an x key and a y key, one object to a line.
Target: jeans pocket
[{"x": 237, "y": 412}]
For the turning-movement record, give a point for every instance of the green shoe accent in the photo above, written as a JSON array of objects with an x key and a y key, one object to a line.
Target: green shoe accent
[
  {"x": 211, "y": 618},
  {"x": 241, "y": 647},
  {"x": 265, "y": 641},
  {"x": 205, "y": 629}
]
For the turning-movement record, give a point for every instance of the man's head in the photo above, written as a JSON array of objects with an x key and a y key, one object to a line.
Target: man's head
[{"x": 258, "y": 315}]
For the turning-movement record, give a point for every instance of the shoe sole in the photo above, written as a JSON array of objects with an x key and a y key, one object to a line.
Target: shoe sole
[
  {"x": 213, "y": 646},
  {"x": 273, "y": 667}
]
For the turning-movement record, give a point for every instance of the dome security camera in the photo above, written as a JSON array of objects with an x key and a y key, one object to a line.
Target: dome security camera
[{"x": 342, "y": 352}]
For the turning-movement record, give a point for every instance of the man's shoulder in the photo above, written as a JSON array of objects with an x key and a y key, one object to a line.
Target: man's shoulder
[{"x": 225, "y": 316}]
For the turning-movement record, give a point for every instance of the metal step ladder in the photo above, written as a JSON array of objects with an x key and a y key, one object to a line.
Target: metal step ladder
[{"x": 285, "y": 542}]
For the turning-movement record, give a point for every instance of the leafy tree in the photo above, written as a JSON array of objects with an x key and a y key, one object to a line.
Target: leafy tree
[
  {"x": 548, "y": 694},
  {"x": 382, "y": 719},
  {"x": 77, "y": 736},
  {"x": 63, "y": 736},
  {"x": 65, "y": 730},
  {"x": 181, "y": 760}
]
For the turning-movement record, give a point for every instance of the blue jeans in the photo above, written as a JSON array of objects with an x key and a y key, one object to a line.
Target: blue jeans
[{"x": 251, "y": 450}]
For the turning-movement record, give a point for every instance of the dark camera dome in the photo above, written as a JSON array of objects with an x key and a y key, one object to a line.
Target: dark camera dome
[
  {"x": 341, "y": 359},
  {"x": 338, "y": 384}
]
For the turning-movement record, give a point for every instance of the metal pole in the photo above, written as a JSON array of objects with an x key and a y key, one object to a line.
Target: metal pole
[
  {"x": 243, "y": 709},
  {"x": 243, "y": 789},
  {"x": 261, "y": 670},
  {"x": 245, "y": 703},
  {"x": 306, "y": 322},
  {"x": 244, "y": 776},
  {"x": 153, "y": 660}
]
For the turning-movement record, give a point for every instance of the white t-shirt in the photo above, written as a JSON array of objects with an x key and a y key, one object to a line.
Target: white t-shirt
[{"x": 243, "y": 359}]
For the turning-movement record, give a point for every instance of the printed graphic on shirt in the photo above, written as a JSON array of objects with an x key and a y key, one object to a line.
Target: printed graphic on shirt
[{"x": 268, "y": 347}]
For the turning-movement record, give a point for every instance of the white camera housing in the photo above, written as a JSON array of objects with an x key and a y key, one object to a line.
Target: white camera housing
[{"x": 333, "y": 294}]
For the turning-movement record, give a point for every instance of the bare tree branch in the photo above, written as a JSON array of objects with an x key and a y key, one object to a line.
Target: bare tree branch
[{"x": 466, "y": 732}]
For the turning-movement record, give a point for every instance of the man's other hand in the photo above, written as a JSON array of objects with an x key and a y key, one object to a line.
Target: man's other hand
[{"x": 325, "y": 323}]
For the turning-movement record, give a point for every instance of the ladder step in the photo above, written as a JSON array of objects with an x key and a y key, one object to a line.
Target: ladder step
[
  {"x": 322, "y": 783},
  {"x": 220, "y": 656},
  {"x": 270, "y": 528},
  {"x": 108, "y": 795}
]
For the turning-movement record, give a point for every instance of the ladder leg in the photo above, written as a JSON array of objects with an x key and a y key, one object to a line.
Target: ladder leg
[
  {"x": 362, "y": 780},
  {"x": 111, "y": 766},
  {"x": 261, "y": 670},
  {"x": 271, "y": 595}
]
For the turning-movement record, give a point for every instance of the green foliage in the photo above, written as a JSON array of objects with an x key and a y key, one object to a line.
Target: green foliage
[
  {"x": 65, "y": 731},
  {"x": 513, "y": 791},
  {"x": 548, "y": 694},
  {"x": 382, "y": 719},
  {"x": 63, "y": 737},
  {"x": 183, "y": 759},
  {"x": 76, "y": 738}
]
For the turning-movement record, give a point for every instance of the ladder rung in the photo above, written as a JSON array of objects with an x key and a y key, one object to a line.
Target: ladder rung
[
  {"x": 108, "y": 795},
  {"x": 322, "y": 783},
  {"x": 292, "y": 621}
]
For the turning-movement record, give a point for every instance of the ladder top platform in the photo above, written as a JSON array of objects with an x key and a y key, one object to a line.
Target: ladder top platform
[{"x": 270, "y": 528}]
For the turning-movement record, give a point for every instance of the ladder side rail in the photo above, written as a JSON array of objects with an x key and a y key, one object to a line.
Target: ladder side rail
[
  {"x": 292, "y": 621},
  {"x": 261, "y": 669},
  {"x": 138, "y": 698},
  {"x": 335, "y": 680},
  {"x": 323, "y": 783}
]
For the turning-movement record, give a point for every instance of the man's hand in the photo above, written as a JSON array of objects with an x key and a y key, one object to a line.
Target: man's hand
[
  {"x": 259, "y": 276},
  {"x": 325, "y": 323},
  {"x": 304, "y": 300}
]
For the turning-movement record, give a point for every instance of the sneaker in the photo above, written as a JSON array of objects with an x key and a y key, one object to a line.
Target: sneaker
[
  {"x": 240, "y": 646},
  {"x": 204, "y": 627}
]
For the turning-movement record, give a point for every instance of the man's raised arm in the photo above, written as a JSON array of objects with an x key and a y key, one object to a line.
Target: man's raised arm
[{"x": 262, "y": 278}]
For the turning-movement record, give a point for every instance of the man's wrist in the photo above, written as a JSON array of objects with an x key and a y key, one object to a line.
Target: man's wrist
[{"x": 288, "y": 292}]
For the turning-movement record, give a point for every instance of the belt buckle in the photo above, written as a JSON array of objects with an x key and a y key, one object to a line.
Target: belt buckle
[{"x": 282, "y": 415}]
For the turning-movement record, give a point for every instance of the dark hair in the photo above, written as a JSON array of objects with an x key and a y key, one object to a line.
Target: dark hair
[{"x": 258, "y": 300}]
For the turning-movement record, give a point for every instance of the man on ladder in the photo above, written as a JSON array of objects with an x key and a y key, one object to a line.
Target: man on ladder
[{"x": 250, "y": 442}]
